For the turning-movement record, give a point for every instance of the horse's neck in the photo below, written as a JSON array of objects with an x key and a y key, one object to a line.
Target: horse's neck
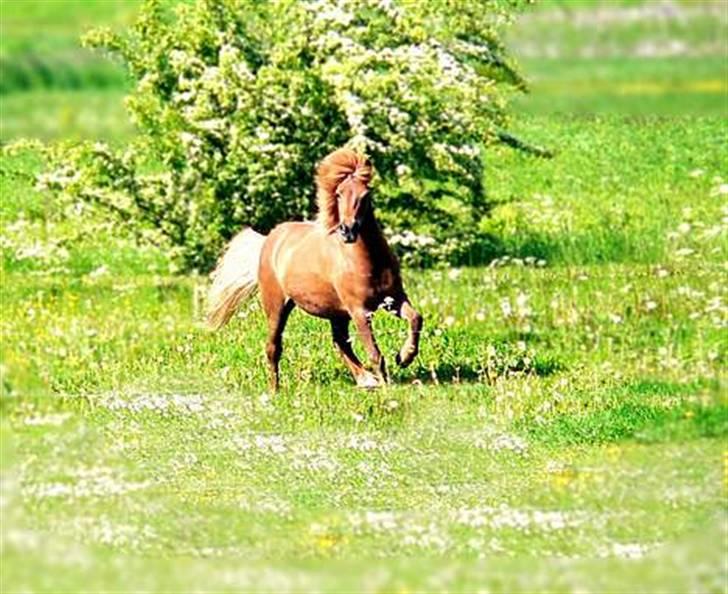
[{"x": 372, "y": 243}]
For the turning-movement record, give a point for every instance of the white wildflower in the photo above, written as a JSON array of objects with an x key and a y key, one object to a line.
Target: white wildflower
[
  {"x": 506, "y": 308},
  {"x": 102, "y": 270},
  {"x": 684, "y": 252},
  {"x": 629, "y": 550}
]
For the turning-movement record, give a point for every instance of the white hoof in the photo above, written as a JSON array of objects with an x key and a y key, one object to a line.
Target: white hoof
[{"x": 367, "y": 380}]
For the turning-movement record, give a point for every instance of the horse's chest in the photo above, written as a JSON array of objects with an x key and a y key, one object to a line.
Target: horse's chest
[
  {"x": 370, "y": 285},
  {"x": 383, "y": 281}
]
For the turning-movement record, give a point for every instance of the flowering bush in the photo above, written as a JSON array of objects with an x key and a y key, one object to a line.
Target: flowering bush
[{"x": 236, "y": 100}]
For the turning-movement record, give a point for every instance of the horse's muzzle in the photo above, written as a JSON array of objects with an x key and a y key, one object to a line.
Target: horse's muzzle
[{"x": 349, "y": 233}]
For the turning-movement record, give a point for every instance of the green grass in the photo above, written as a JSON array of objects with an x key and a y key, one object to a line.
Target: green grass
[
  {"x": 61, "y": 22},
  {"x": 617, "y": 189},
  {"x": 563, "y": 428},
  {"x": 637, "y": 58},
  {"x": 627, "y": 85},
  {"x": 53, "y": 115},
  {"x": 40, "y": 44},
  {"x": 563, "y": 438},
  {"x": 603, "y": 29}
]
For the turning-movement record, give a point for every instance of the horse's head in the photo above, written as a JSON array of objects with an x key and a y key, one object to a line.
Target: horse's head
[
  {"x": 342, "y": 184},
  {"x": 353, "y": 201}
]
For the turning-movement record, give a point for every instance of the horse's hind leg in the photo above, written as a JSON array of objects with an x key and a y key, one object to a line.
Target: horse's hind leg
[
  {"x": 277, "y": 309},
  {"x": 340, "y": 334}
]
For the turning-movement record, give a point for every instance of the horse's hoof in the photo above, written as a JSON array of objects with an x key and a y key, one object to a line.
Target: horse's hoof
[
  {"x": 404, "y": 360},
  {"x": 368, "y": 381}
]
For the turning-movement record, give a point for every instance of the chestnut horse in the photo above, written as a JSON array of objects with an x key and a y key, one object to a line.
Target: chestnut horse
[{"x": 338, "y": 267}]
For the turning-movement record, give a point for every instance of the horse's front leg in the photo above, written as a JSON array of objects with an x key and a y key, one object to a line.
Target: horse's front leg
[
  {"x": 340, "y": 334},
  {"x": 363, "y": 321},
  {"x": 411, "y": 347}
]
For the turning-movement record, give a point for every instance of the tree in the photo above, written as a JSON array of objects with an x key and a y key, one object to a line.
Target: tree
[{"x": 236, "y": 100}]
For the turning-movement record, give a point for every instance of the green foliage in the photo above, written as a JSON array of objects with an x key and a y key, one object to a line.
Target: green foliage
[
  {"x": 236, "y": 100},
  {"x": 542, "y": 210}
]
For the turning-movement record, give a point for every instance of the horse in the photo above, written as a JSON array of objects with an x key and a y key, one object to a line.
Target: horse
[{"x": 338, "y": 267}]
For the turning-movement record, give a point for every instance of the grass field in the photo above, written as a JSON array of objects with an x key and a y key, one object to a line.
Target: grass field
[{"x": 563, "y": 428}]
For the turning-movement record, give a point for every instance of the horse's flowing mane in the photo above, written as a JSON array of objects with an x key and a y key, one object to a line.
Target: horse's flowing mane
[{"x": 331, "y": 172}]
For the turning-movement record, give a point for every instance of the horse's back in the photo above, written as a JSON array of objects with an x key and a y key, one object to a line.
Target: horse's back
[{"x": 286, "y": 238}]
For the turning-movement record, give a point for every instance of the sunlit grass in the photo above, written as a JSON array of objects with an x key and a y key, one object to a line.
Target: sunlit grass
[
  {"x": 571, "y": 413},
  {"x": 563, "y": 428},
  {"x": 65, "y": 115},
  {"x": 566, "y": 412}
]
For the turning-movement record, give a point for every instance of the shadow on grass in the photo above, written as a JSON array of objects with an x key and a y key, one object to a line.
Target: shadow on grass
[
  {"x": 630, "y": 419},
  {"x": 482, "y": 372}
]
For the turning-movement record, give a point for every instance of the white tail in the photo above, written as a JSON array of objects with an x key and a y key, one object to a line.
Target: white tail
[{"x": 235, "y": 278}]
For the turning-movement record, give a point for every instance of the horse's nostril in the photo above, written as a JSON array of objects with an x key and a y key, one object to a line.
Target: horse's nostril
[{"x": 348, "y": 233}]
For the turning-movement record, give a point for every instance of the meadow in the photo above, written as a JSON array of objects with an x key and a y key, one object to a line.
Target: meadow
[{"x": 563, "y": 428}]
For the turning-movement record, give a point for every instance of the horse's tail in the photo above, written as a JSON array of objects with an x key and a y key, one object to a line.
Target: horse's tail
[{"x": 235, "y": 278}]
